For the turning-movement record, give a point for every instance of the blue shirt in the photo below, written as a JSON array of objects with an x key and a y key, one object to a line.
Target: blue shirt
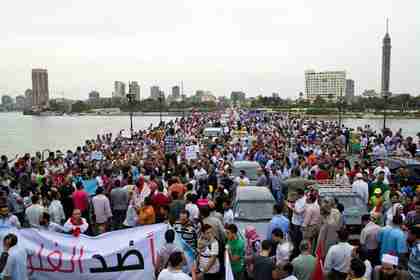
[
  {"x": 278, "y": 221},
  {"x": 393, "y": 241}
]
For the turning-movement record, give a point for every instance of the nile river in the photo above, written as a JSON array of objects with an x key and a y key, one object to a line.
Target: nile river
[{"x": 20, "y": 134}]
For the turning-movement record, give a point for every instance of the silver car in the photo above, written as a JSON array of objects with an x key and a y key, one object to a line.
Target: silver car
[{"x": 253, "y": 206}]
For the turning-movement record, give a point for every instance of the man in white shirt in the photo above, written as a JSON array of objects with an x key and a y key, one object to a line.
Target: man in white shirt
[
  {"x": 101, "y": 209},
  {"x": 200, "y": 172},
  {"x": 174, "y": 270},
  {"x": 383, "y": 168},
  {"x": 16, "y": 266},
  {"x": 192, "y": 208},
  {"x": 297, "y": 218},
  {"x": 361, "y": 187},
  {"x": 34, "y": 212},
  {"x": 228, "y": 214},
  {"x": 337, "y": 261}
]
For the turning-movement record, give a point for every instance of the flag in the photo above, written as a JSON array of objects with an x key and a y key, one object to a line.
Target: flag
[{"x": 318, "y": 273}]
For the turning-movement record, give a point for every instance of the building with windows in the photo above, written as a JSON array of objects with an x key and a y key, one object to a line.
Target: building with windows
[
  {"x": 119, "y": 90},
  {"x": 40, "y": 92},
  {"x": 134, "y": 88},
  {"x": 349, "y": 90},
  {"x": 329, "y": 85},
  {"x": 155, "y": 92},
  {"x": 176, "y": 92}
]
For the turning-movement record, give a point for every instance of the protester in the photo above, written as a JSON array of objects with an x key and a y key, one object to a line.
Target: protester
[
  {"x": 162, "y": 258},
  {"x": 34, "y": 212},
  {"x": 186, "y": 230},
  {"x": 263, "y": 263},
  {"x": 357, "y": 270},
  {"x": 101, "y": 210},
  {"x": 174, "y": 270},
  {"x": 208, "y": 252},
  {"x": 148, "y": 179},
  {"x": 252, "y": 249},
  {"x": 56, "y": 210},
  {"x": 414, "y": 258},
  {"x": 16, "y": 266},
  {"x": 119, "y": 204},
  {"x": 76, "y": 224},
  {"x": 393, "y": 240},
  {"x": 304, "y": 264},
  {"x": 236, "y": 251},
  {"x": 389, "y": 269},
  {"x": 278, "y": 221},
  {"x": 338, "y": 257}
]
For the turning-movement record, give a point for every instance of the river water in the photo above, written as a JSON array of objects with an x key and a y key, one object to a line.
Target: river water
[{"x": 20, "y": 134}]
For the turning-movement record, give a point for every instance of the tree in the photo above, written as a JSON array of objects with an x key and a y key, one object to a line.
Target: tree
[{"x": 79, "y": 107}]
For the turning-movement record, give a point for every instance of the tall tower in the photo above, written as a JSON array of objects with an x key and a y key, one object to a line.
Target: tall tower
[
  {"x": 40, "y": 92},
  {"x": 386, "y": 62}
]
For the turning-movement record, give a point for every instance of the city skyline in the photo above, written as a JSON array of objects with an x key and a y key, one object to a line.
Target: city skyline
[{"x": 257, "y": 48}]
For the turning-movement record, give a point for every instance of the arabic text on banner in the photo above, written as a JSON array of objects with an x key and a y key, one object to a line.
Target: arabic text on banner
[{"x": 124, "y": 255}]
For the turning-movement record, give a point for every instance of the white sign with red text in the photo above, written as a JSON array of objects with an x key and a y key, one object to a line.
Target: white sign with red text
[{"x": 119, "y": 255}]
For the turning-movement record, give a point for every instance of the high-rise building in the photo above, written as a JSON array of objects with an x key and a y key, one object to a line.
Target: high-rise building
[
  {"x": 155, "y": 92},
  {"x": 176, "y": 92},
  {"x": 28, "y": 98},
  {"x": 237, "y": 97},
  {"x": 134, "y": 88},
  {"x": 386, "y": 62},
  {"x": 40, "y": 92},
  {"x": 20, "y": 102},
  {"x": 349, "y": 90},
  {"x": 119, "y": 90},
  {"x": 329, "y": 85}
]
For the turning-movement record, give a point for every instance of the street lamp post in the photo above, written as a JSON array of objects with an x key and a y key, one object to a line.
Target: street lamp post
[{"x": 130, "y": 98}]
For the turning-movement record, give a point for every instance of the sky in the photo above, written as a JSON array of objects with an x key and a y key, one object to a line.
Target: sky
[{"x": 258, "y": 47}]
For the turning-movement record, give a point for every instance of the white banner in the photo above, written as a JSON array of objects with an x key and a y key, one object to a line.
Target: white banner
[
  {"x": 120, "y": 255},
  {"x": 191, "y": 152},
  {"x": 228, "y": 267}
]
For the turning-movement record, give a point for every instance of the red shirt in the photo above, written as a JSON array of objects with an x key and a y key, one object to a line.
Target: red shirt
[
  {"x": 159, "y": 199},
  {"x": 322, "y": 175},
  {"x": 80, "y": 200}
]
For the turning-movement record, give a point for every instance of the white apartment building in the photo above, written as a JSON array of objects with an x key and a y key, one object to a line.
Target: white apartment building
[
  {"x": 330, "y": 85},
  {"x": 119, "y": 90}
]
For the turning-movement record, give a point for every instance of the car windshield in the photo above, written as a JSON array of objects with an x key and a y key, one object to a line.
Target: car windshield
[
  {"x": 352, "y": 202},
  {"x": 251, "y": 172},
  {"x": 254, "y": 210}
]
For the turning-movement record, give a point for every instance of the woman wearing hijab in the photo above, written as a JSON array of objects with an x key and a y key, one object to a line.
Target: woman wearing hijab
[{"x": 252, "y": 249}]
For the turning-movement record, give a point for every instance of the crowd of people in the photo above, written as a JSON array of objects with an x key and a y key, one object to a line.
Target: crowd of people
[{"x": 114, "y": 182}]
